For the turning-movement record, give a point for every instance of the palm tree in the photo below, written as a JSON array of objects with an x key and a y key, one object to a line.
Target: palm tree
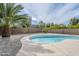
[{"x": 9, "y": 14}]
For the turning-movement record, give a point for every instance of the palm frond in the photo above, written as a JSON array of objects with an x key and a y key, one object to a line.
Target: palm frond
[
  {"x": 2, "y": 8},
  {"x": 9, "y": 7},
  {"x": 16, "y": 9}
]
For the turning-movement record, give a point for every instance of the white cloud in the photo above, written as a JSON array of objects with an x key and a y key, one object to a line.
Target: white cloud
[{"x": 57, "y": 13}]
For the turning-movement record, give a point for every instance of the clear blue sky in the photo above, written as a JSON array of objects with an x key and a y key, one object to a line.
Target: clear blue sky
[{"x": 51, "y": 12}]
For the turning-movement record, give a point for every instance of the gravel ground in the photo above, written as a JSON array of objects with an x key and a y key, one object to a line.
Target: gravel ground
[{"x": 10, "y": 46}]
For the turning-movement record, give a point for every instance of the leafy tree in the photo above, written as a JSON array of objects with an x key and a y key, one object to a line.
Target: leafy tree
[
  {"x": 74, "y": 21},
  {"x": 41, "y": 24},
  {"x": 48, "y": 25}
]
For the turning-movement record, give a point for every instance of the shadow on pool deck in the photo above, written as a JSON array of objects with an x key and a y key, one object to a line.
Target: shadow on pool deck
[
  {"x": 9, "y": 46},
  {"x": 33, "y": 49}
]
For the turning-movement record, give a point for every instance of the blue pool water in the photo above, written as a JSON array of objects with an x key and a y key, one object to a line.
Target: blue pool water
[{"x": 52, "y": 38}]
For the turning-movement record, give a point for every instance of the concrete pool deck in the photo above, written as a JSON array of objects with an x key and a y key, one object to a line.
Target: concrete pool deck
[
  {"x": 64, "y": 48},
  {"x": 19, "y": 47}
]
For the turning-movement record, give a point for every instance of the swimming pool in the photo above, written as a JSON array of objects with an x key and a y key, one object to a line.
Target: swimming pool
[{"x": 52, "y": 38}]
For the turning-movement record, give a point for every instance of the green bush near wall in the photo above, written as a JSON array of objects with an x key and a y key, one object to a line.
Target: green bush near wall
[
  {"x": 61, "y": 27},
  {"x": 58, "y": 27},
  {"x": 73, "y": 26},
  {"x": 45, "y": 30}
]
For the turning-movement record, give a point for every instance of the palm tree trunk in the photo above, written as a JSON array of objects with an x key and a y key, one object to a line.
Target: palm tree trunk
[{"x": 6, "y": 31}]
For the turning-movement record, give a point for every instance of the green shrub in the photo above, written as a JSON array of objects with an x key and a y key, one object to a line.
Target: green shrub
[
  {"x": 45, "y": 30},
  {"x": 58, "y": 27},
  {"x": 73, "y": 26}
]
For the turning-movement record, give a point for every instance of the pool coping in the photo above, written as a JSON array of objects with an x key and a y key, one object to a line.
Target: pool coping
[
  {"x": 24, "y": 39},
  {"x": 57, "y": 46}
]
